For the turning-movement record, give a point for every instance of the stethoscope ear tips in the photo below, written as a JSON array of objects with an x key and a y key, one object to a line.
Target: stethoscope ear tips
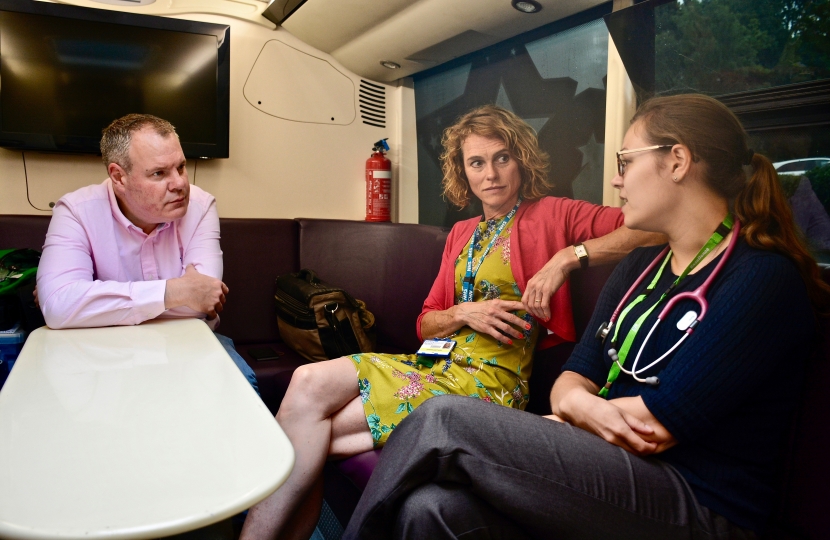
[
  {"x": 612, "y": 353},
  {"x": 654, "y": 381}
]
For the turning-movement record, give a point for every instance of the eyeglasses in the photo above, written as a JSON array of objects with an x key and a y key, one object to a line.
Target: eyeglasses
[{"x": 621, "y": 163}]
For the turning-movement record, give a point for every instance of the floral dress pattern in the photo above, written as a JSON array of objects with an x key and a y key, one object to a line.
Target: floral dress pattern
[{"x": 392, "y": 385}]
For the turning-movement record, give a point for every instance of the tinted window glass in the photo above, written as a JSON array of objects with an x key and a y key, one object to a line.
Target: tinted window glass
[
  {"x": 790, "y": 167},
  {"x": 724, "y": 46}
]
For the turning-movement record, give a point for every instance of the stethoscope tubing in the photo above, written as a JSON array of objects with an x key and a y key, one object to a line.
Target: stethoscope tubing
[{"x": 698, "y": 296}]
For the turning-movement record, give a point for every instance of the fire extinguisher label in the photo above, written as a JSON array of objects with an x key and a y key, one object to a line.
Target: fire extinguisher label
[{"x": 382, "y": 174}]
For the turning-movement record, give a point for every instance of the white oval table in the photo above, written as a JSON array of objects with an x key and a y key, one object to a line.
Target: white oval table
[{"x": 131, "y": 432}]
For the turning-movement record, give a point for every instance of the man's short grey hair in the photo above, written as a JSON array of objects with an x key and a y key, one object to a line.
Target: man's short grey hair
[{"x": 116, "y": 139}]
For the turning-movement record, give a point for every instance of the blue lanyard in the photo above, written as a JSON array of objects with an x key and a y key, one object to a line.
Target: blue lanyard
[{"x": 470, "y": 275}]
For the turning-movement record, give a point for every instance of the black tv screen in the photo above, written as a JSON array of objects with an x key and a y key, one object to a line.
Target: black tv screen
[{"x": 66, "y": 72}]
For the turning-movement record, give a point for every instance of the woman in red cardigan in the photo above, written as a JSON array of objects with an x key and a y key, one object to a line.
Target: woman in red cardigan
[{"x": 500, "y": 290}]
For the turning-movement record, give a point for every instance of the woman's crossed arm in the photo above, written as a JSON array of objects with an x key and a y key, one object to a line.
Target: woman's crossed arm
[{"x": 624, "y": 422}]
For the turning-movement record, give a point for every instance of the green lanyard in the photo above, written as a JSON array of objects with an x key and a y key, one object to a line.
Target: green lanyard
[{"x": 716, "y": 238}]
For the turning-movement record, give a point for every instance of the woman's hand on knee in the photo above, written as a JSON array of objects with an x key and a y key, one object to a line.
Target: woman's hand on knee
[{"x": 495, "y": 318}]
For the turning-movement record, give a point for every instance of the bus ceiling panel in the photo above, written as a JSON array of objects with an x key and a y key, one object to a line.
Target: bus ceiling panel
[
  {"x": 415, "y": 34},
  {"x": 279, "y": 10}
]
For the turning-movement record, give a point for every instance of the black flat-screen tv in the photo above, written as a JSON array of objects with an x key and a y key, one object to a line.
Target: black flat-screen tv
[{"x": 66, "y": 72}]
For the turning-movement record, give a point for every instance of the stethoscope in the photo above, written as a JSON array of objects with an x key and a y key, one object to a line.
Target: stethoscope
[{"x": 686, "y": 324}]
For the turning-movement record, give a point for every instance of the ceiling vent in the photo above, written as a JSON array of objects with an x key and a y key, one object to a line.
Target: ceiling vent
[{"x": 372, "y": 98}]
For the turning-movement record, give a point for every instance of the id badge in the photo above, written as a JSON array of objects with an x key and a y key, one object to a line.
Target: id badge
[{"x": 436, "y": 347}]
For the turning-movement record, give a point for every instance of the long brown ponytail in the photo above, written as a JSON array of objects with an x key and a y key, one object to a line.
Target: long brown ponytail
[
  {"x": 716, "y": 137},
  {"x": 767, "y": 221}
]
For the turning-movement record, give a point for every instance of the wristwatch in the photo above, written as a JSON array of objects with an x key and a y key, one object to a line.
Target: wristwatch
[{"x": 581, "y": 254}]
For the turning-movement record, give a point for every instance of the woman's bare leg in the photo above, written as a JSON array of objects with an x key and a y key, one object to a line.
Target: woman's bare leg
[
  {"x": 318, "y": 412},
  {"x": 350, "y": 433},
  {"x": 302, "y": 522},
  {"x": 350, "y": 436}
]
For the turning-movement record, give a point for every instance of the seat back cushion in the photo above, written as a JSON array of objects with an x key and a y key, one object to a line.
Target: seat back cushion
[
  {"x": 390, "y": 266},
  {"x": 547, "y": 363},
  {"x": 255, "y": 252},
  {"x": 21, "y": 231}
]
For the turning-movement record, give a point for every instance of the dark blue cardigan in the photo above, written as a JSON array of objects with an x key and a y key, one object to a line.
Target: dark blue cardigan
[{"x": 729, "y": 391}]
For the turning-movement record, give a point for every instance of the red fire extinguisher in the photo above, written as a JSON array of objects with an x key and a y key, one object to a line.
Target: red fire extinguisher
[{"x": 378, "y": 184}]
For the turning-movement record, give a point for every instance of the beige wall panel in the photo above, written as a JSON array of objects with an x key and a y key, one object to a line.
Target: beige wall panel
[
  {"x": 285, "y": 169},
  {"x": 277, "y": 168},
  {"x": 13, "y": 185},
  {"x": 620, "y": 106},
  {"x": 404, "y": 154},
  {"x": 52, "y": 175},
  {"x": 293, "y": 85}
]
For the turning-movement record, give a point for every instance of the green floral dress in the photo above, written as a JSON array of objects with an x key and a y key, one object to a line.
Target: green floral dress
[{"x": 392, "y": 385}]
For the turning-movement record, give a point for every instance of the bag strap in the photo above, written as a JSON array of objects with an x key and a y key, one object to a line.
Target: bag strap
[
  {"x": 341, "y": 340},
  {"x": 308, "y": 275}
]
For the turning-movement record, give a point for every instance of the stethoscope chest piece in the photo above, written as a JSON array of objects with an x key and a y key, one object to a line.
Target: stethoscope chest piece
[
  {"x": 603, "y": 331},
  {"x": 686, "y": 321}
]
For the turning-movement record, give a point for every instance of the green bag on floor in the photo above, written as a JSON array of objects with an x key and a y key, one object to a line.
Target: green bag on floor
[{"x": 17, "y": 266}]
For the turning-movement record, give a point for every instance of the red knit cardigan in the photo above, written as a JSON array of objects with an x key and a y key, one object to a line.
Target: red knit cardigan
[{"x": 541, "y": 228}]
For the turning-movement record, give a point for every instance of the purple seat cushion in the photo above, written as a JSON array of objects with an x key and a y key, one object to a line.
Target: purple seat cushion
[
  {"x": 273, "y": 376},
  {"x": 21, "y": 231},
  {"x": 359, "y": 468}
]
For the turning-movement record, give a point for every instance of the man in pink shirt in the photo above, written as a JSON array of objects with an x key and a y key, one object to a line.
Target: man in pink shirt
[{"x": 143, "y": 244}]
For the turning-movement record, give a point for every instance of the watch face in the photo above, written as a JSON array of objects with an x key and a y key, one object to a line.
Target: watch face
[{"x": 581, "y": 251}]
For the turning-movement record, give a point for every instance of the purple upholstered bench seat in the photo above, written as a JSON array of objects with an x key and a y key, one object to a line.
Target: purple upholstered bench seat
[{"x": 359, "y": 468}]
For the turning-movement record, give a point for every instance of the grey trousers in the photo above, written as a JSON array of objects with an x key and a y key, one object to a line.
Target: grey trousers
[{"x": 463, "y": 468}]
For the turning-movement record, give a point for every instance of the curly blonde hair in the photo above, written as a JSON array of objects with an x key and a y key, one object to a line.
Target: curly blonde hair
[{"x": 492, "y": 121}]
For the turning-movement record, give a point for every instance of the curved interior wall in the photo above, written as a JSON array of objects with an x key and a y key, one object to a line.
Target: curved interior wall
[{"x": 278, "y": 167}]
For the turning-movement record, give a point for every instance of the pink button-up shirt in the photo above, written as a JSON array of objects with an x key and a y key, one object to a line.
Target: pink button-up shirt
[{"x": 98, "y": 269}]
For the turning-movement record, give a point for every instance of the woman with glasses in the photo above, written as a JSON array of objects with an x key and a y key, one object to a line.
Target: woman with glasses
[
  {"x": 495, "y": 296},
  {"x": 666, "y": 429}
]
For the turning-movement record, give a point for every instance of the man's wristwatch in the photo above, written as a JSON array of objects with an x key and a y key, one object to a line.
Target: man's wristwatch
[{"x": 582, "y": 255}]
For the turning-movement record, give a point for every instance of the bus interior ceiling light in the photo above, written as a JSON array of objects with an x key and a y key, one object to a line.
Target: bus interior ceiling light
[
  {"x": 390, "y": 64},
  {"x": 527, "y": 6}
]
